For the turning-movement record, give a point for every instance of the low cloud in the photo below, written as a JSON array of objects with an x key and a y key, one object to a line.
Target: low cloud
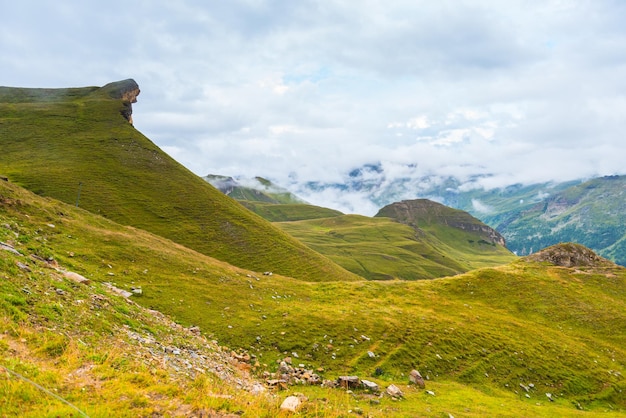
[{"x": 488, "y": 92}]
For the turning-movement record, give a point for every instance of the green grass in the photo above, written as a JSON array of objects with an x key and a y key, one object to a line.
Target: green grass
[
  {"x": 476, "y": 336},
  {"x": 60, "y": 143},
  {"x": 383, "y": 249},
  {"x": 289, "y": 212}
]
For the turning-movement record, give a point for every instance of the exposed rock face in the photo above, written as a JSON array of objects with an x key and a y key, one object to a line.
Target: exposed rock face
[
  {"x": 127, "y": 91},
  {"x": 423, "y": 212},
  {"x": 570, "y": 255}
]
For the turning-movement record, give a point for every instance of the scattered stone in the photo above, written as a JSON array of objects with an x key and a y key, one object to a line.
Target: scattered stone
[
  {"x": 8, "y": 247},
  {"x": 136, "y": 290},
  {"x": 75, "y": 277},
  {"x": 430, "y": 392},
  {"x": 291, "y": 404},
  {"x": 416, "y": 378},
  {"x": 549, "y": 396},
  {"x": 371, "y": 386},
  {"x": 117, "y": 290},
  {"x": 523, "y": 386},
  {"x": 277, "y": 383},
  {"x": 23, "y": 267},
  {"x": 257, "y": 389},
  {"x": 195, "y": 330},
  {"x": 267, "y": 273},
  {"x": 394, "y": 391},
  {"x": 371, "y": 354},
  {"x": 60, "y": 292},
  {"x": 348, "y": 382}
]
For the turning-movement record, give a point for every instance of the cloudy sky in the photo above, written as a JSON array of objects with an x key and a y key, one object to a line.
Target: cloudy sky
[{"x": 303, "y": 90}]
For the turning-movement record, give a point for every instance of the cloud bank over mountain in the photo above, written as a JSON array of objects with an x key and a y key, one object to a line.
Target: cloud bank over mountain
[{"x": 298, "y": 92}]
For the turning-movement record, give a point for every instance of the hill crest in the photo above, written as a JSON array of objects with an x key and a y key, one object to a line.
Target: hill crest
[{"x": 423, "y": 212}]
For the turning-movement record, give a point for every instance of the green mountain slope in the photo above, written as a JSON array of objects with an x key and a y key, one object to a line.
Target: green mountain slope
[
  {"x": 490, "y": 342},
  {"x": 592, "y": 213},
  {"x": 447, "y": 242},
  {"x": 76, "y": 145}
]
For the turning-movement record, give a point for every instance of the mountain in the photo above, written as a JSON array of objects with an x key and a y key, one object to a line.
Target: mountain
[
  {"x": 257, "y": 189},
  {"x": 591, "y": 213},
  {"x": 381, "y": 248},
  {"x": 490, "y": 342},
  {"x": 77, "y": 145},
  {"x": 378, "y": 249},
  {"x": 428, "y": 215},
  {"x": 529, "y": 216},
  {"x": 103, "y": 318},
  {"x": 268, "y": 200}
]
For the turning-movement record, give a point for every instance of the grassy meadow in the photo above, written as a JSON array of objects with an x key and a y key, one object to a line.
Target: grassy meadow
[{"x": 475, "y": 337}]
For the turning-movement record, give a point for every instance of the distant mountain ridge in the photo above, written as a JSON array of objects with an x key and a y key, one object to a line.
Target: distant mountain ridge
[
  {"x": 591, "y": 212},
  {"x": 256, "y": 189}
]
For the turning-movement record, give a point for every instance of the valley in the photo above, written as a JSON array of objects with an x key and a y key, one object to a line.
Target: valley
[{"x": 227, "y": 293}]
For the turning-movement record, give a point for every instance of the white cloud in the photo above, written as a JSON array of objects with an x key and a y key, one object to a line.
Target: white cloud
[
  {"x": 481, "y": 207},
  {"x": 521, "y": 90}
]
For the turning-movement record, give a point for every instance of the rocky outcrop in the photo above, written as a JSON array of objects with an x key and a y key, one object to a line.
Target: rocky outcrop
[
  {"x": 570, "y": 255},
  {"x": 127, "y": 91},
  {"x": 421, "y": 213}
]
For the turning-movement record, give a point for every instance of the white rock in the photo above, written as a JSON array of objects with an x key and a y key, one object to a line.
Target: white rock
[
  {"x": 291, "y": 404},
  {"x": 394, "y": 391}
]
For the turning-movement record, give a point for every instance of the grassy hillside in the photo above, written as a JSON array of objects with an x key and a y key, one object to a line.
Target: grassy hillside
[
  {"x": 76, "y": 145},
  {"x": 289, "y": 212},
  {"x": 477, "y": 337},
  {"x": 383, "y": 249}
]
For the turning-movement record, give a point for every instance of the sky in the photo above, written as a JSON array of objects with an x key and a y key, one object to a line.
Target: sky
[{"x": 516, "y": 91}]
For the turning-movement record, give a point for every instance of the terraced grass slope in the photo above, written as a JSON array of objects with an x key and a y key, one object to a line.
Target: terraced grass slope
[
  {"x": 76, "y": 145},
  {"x": 382, "y": 249},
  {"x": 491, "y": 342},
  {"x": 407, "y": 240}
]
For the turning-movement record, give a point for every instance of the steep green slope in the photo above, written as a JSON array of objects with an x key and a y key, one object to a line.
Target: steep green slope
[
  {"x": 76, "y": 145},
  {"x": 481, "y": 339}
]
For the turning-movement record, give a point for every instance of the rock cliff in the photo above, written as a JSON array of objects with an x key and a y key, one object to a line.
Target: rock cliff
[{"x": 127, "y": 91}]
